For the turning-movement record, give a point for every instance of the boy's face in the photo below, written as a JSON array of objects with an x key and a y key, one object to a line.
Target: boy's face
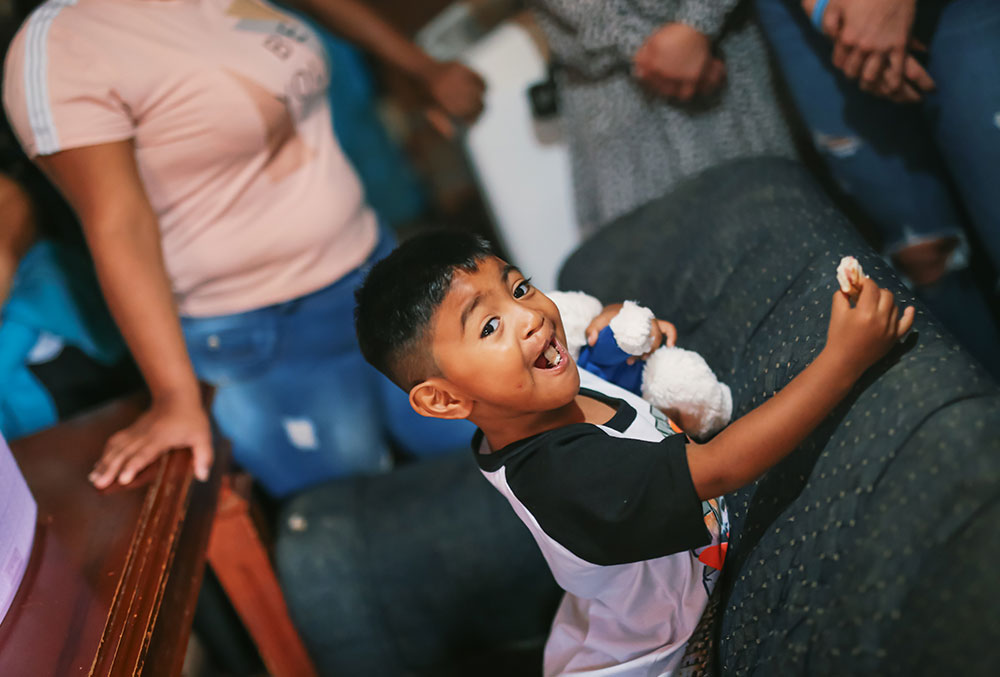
[{"x": 501, "y": 342}]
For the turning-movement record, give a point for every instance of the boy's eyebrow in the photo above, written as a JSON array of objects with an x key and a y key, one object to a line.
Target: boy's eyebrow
[
  {"x": 467, "y": 311},
  {"x": 469, "y": 308}
]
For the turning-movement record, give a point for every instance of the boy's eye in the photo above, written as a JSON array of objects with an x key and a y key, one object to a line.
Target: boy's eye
[
  {"x": 523, "y": 288},
  {"x": 490, "y": 327}
]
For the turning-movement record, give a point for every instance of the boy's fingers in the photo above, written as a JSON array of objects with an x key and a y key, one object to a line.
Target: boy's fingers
[
  {"x": 886, "y": 301},
  {"x": 670, "y": 331},
  {"x": 906, "y": 322},
  {"x": 869, "y": 295},
  {"x": 841, "y": 302},
  {"x": 893, "y": 318}
]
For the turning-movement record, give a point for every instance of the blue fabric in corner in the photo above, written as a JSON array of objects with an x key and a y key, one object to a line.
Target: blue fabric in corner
[{"x": 54, "y": 294}]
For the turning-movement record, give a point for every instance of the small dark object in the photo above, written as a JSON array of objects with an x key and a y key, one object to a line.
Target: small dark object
[{"x": 544, "y": 98}]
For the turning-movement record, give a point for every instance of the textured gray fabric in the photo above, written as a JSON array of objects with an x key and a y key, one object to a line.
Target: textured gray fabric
[
  {"x": 870, "y": 550},
  {"x": 628, "y": 146},
  {"x": 422, "y": 571}
]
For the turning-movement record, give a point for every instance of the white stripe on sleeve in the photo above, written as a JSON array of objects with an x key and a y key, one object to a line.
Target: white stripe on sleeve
[{"x": 36, "y": 86}]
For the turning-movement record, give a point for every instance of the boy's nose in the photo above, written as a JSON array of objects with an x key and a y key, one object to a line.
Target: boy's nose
[{"x": 532, "y": 320}]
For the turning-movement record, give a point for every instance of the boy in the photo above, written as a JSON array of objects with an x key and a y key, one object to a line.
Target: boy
[{"x": 623, "y": 508}]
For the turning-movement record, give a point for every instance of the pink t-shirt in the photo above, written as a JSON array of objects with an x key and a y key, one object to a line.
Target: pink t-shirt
[{"x": 226, "y": 103}]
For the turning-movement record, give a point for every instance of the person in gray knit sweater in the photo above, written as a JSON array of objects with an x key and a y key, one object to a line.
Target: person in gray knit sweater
[{"x": 654, "y": 91}]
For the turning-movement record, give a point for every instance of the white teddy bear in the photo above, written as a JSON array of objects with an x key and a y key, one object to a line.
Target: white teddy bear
[{"x": 675, "y": 380}]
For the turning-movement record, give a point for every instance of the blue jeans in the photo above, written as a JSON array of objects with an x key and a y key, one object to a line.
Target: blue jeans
[
  {"x": 920, "y": 172},
  {"x": 900, "y": 161},
  {"x": 296, "y": 398}
]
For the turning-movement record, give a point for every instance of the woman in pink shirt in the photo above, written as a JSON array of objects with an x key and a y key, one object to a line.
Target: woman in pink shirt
[{"x": 194, "y": 140}]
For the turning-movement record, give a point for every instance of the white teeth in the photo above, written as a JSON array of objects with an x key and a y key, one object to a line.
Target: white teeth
[{"x": 552, "y": 356}]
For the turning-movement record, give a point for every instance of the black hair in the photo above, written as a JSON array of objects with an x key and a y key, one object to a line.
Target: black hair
[{"x": 400, "y": 295}]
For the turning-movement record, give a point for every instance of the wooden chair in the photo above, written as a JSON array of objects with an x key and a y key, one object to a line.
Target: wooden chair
[{"x": 241, "y": 563}]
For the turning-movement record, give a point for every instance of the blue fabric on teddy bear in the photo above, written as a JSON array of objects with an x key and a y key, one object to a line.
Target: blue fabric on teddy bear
[{"x": 607, "y": 360}]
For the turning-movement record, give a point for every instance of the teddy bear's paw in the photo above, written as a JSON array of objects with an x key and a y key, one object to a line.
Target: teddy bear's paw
[
  {"x": 680, "y": 380},
  {"x": 717, "y": 415},
  {"x": 632, "y": 327}
]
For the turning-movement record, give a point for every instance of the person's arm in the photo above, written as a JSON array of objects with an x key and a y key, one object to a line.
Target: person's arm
[
  {"x": 871, "y": 45},
  {"x": 856, "y": 339},
  {"x": 17, "y": 234},
  {"x": 103, "y": 186},
  {"x": 456, "y": 90}
]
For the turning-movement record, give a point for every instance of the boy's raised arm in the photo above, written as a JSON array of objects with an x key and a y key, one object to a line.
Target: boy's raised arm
[{"x": 856, "y": 339}]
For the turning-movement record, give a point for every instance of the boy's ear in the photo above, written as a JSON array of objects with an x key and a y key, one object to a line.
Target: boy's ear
[{"x": 437, "y": 398}]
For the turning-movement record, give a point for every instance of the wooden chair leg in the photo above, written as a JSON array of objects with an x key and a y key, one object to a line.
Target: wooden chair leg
[{"x": 241, "y": 564}]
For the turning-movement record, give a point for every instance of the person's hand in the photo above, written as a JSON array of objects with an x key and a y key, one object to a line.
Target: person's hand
[
  {"x": 168, "y": 424},
  {"x": 859, "y": 336},
  {"x": 676, "y": 61},
  {"x": 456, "y": 93},
  {"x": 661, "y": 332},
  {"x": 872, "y": 45}
]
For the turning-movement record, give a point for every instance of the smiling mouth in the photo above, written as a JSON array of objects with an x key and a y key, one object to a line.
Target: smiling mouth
[{"x": 551, "y": 357}]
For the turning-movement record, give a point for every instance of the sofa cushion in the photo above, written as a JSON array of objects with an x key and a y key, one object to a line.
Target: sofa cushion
[
  {"x": 422, "y": 571},
  {"x": 873, "y": 538}
]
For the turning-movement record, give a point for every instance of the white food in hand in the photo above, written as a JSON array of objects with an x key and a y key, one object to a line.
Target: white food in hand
[{"x": 849, "y": 275}]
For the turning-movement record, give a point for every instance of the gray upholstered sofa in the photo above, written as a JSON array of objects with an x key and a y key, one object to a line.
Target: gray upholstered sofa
[{"x": 871, "y": 550}]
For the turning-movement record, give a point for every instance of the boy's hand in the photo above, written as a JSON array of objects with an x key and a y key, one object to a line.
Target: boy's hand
[
  {"x": 661, "y": 331},
  {"x": 600, "y": 322},
  {"x": 859, "y": 336}
]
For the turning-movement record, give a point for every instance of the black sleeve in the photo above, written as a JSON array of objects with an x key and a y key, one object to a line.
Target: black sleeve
[{"x": 611, "y": 500}]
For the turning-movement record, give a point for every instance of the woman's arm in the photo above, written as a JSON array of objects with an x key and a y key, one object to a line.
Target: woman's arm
[
  {"x": 102, "y": 184},
  {"x": 454, "y": 89}
]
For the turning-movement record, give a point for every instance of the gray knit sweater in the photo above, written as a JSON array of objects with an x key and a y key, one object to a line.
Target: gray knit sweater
[{"x": 629, "y": 146}]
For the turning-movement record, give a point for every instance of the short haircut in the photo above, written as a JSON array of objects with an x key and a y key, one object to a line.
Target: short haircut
[{"x": 398, "y": 299}]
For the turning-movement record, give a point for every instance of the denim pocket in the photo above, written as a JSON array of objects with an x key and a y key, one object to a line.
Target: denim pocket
[{"x": 225, "y": 353}]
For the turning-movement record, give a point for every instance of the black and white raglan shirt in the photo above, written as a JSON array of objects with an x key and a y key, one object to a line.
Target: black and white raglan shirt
[{"x": 615, "y": 513}]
